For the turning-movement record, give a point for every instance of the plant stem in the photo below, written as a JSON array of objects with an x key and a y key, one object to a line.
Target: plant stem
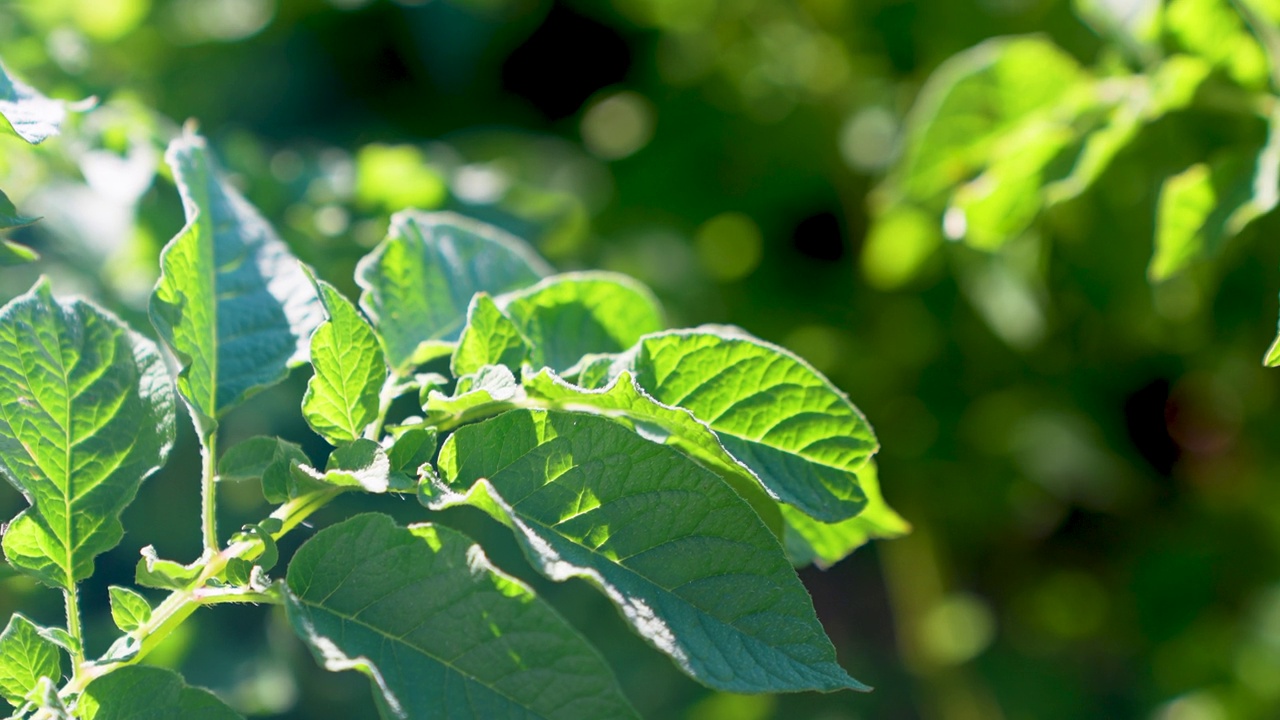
[
  {"x": 175, "y": 609},
  {"x": 73, "y": 624},
  {"x": 208, "y": 499}
]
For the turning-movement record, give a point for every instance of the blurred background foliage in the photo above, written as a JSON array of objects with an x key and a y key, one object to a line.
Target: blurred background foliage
[{"x": 996, "y": 246}]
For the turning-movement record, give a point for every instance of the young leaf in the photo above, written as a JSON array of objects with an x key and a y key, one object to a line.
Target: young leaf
[
  {"x": 12, "y": 253},
  {"x": 232, "y": 302},
  {"x": 255, "y": 458},
  {"x": 140, "y": 692},
  {"x": 489, "y": 391},
  {"x": 32, "y": 116},
  {"x": 568, "y": 316},
  {"x": 153, "y": 572},
  {"x": 690, "y": 566},
  {"x": 362, "y": 464},
  {"x": 770, "y": 409},
  {"x": 440, "y": 632},
  {"x": 25, "y": 657},
  {"x": 825, "y": 544},
  {"x": 413, "y": 448},
  {"x": 129, "y": 610},
  {"x": 90, "y": 415},
  {"x": 418, "y": 282},
  {"x": 489, "y": 338},
  {"x": 343, "y": 395}
]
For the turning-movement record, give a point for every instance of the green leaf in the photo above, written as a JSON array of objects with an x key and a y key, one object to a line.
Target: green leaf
[
  {"x": 568, "y": 316},
  {"x": 32, "y": 116},
  {"x": 129, "y": 610},
  {"x": 1214, "y": 30},
  {"x": 489, "y": 338},
  {"x": 487, "y": 392},
  {"x": 25, "y": 657},
  {"x": 140, "y": 692},
  {"x": 255, "y": 458},
  {"x": 232, "y": 302},
  {"x": 825, "y": 544},
  {"x": 12, "y": 253},
  {"x": 440, "y": 632},
  {"x": 1136, "y": 23},
  {"x": 970, "y": 102},
  {"x": 154, "y": 572},
  {"x": 89, "y": 415},
  {"x": 687, "y": 561},
  {"x": 770, "y": 409},
  {"x": 343, "y": 395},
  {"x": 413, "y": 448},
  {"x": 418, "y": 282},
  {"x": 361, "y": 464},
  {"x": 677, "y": 427}
]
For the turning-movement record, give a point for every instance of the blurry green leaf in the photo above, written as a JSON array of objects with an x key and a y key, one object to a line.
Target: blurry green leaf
[
  {"x": 343, "y": 395},
  {"x": 970, "y": 102},
  {"x": 90, "y": 415},
  {"x": 439, "y": 631},
  {"x": 232, "y": 302},
  {"x": 687, "y": 562},
  {"x": 489, "y": 338},
  {"x": 25, "y": 657},
  {"x": 1005, "y": 199},
  {"x": 1135, "y": 23},
  {"x": 568, "y": 316},
  {"x": 9, "y": 217},
  {"x": 253, "y": 458},
  {"x": 484, "y": 393},
  {"x": 770, "y": 409},
  {"x": 418, "y": 282},
  {"x": 1174, "y": 83},
  {"x": 1214, "y": 30},
  {"x": 12, "y": 253},
  {"x": 396, "y": 177},
  {"x": 825, "y": 544},
  {"x": 898, "y": 245},
  {"x": 140, "y": 692},
  {"x": 1207, "y": 204},
  {"x": 154, "y": 572},
  {"x": 32, "y": 116},
  {"x": 129, "y": 610}
]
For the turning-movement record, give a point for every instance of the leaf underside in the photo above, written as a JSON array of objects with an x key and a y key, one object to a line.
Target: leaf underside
[
  {"x": 690, "y": 566},
  {"x": 440, "y": 632}
]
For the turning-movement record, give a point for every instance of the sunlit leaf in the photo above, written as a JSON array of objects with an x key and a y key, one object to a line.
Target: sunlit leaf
[
  {"x": 489, "y": 338},
  {"x": 440, "y": 632},
  {"x": 418, "y": 282},
  {"x": 568, "y": 316},
  {"x": 687, "y": 561},
  {"x": 32, "y": 116},
  {"x": 232, "y": 302},
  {"x": 25, "y": 657},
  {"x": 343, "y": 394},
  {"x": 825, "y": 544},
  {"x": 129, "y": 610},
  {"x": 90, "y": 416}
]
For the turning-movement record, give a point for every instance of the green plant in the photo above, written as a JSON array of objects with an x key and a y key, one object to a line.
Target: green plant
[{"x": 682, "y": 473}]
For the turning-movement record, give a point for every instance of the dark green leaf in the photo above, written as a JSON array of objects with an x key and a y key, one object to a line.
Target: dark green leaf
[
  {"x": 232, "y": 302},
  {"x": 687, "y": 561},
  {"x": 25, "y": 657},
  {"x": 568, "y": 316},
  {"x": 419, "y": 281},
  {"x": 139, "y": 692},
  {"x": 441, "y": 633},
  {"x": 255, "y": 458},
  {"x": 90, "y": 415},
  {"x": 343, "y": 395},
  {"x": 823, "y": 544}
]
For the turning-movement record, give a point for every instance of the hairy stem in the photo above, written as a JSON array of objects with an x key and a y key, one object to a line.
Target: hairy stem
[
  {"x": 73, "y": 623},
  {"x": 175, "y": 609},
  {"x": 208, "y": 499}
]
